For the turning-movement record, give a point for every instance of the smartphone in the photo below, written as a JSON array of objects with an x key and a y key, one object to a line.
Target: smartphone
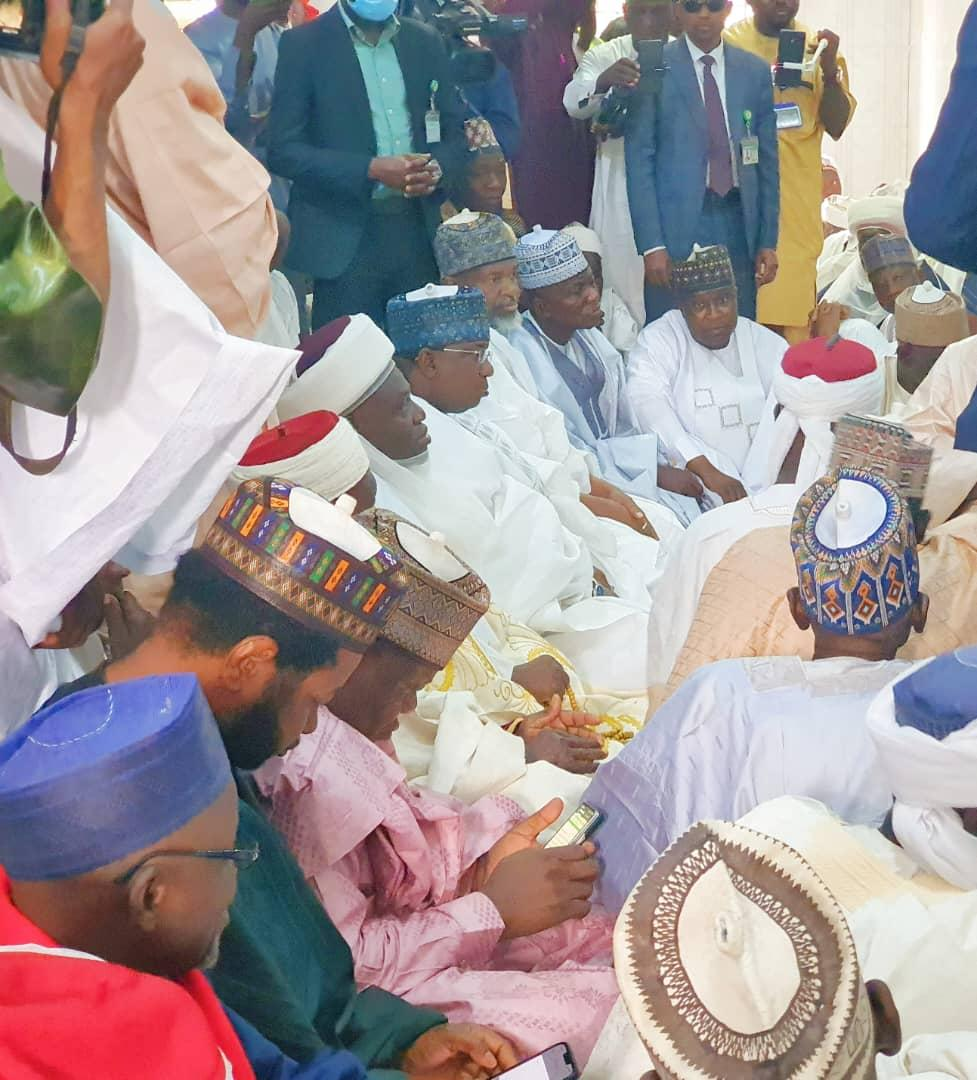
[
  {"x": 790, "y": 52},
  {"x": 577, "y": 828},
  {"x": 22, "y": 23},
  {"x": 651, "y": 60},
  {"x": 554, "y": 1064}
]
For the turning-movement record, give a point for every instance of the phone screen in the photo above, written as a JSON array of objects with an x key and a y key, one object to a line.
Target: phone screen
[
  {"x": 554, "y": 1064},
  {"x": 22, "y": 23},
  {"x": 791, "y": 51}
]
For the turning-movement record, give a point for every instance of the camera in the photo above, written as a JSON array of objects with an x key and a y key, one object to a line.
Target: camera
[
  {"x": 22, "y": 23},
  {"x": 458, "y": 21}
]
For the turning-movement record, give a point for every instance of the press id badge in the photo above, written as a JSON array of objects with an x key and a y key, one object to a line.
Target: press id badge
[
  {"x": 750, "y": 145},
  {"x": 432, "y": 118},
  {"x": 788, "y": 116}
]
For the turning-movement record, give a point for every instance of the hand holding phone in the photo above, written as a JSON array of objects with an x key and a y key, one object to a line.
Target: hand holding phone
[{"x": 556, "y": 1063}]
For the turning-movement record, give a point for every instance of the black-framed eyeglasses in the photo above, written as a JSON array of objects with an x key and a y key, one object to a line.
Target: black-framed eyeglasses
[
  {"x": 241, "y": 857},
  {"x": 693, "y": 6},
  {"x": 479, "y": 354}
]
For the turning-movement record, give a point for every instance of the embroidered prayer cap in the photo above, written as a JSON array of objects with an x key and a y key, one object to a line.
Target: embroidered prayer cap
[
  {"x": 926, "y": 315},
  {"x": 734, "y": 960},
  {"x": 480, "y": 136},
  {"x": 107, "y": 772},
  {"x": 705, "y": 270},
  {"x": 587, "y": 240},
  {"x": 444, "y": 598},
  {"x": 855, "y": 548},
  {"x": 308, "y": 558},
  {"x": 469, "y": 240},
  {"x": 547, "y": 257},
  {"x": 884, "y": 251},
  {"x": 939, "y": 697},
  {"x": 877, "y": 212},
  {"x": 320, "y": 451},
  {"x": 341, "y": 365},
  {"x": 435, "y": 316}
]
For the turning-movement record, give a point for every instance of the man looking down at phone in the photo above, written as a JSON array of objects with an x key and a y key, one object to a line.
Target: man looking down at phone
[
  {"x": 455, "y": 907},
  {"x": 822, "y": 104}
]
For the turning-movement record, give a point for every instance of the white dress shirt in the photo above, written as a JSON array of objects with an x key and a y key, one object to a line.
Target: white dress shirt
[{"x": 718, "y": 69}]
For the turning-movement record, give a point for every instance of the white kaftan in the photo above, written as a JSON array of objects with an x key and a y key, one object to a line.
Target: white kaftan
[
  {"x": 736, "y": 734},
  {"x": 610, "y": 215},
  {"x": 698, "y": 401}
]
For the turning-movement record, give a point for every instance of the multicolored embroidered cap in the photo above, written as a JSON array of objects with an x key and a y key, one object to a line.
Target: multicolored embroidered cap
[
  {"x": 470, "y": 240},
  {"x": 444, "y": 598},
  {"x": 735, "y": 960},
  {"x": 308, "y": 558},
  {"x": 435, "y": 316},
  {"x": 855, "y": 548},
  {"x": 705, "y": 270}
]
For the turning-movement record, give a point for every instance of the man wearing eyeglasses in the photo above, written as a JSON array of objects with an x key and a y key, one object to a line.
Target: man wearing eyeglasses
[{"x": 702, "y": 160}]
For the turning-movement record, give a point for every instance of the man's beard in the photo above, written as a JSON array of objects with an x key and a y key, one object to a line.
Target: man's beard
[
  {"x": 251, "y": 736},
  {"x": 505, "y": 324}
]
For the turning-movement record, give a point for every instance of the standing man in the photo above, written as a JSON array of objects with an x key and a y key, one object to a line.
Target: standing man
[
  {"x": 365, "y": 117},
  {"x": 702, "y": 164},
  {"x": 608, "y": 74},
  {"x": 823, "y": 103}
]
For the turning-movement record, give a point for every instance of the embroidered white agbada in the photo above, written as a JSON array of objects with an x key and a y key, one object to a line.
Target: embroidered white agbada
[
  {"x": 158, "y": 432},
  {"x": 606, "y": 425},
  {"x": 912, "y": 929},
  {"x": 610, "y": 214},
  {"x": 736, "y": 734},
  {"x": 698, "y": 401}
]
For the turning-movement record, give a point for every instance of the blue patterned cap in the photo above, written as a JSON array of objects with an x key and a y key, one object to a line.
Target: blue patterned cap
[
  {"x": 548, "y": 258},
  {"x": 435, "y": 316},
  {"x": 855, "y": 549},
  {"x": 469, "y": 240},
  {"x": 105, "y": 773},
  {"x": 883, "y": 251},
  {"x": 940, "y": 697}
]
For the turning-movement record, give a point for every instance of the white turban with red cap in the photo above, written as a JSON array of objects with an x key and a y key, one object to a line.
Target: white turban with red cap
[{"x": 819, "y": 381}]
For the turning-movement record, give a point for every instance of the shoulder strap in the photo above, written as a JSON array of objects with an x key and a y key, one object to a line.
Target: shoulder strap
[{"x": 35, "y": 466}]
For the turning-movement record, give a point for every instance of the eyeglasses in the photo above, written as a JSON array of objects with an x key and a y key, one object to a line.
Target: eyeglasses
[
  {"x": 693, "y": 6},
  {"x": 241, "y": 857},
  {"x": 479, "y": 354}
]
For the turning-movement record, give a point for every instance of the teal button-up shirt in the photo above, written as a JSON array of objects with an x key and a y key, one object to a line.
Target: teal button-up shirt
[{"x": 386, "y": 92}]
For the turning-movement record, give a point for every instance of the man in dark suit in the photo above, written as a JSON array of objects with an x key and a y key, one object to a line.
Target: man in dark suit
[
  {"x": 367, "y": 124},
  {"x": 702, "y": 160}
]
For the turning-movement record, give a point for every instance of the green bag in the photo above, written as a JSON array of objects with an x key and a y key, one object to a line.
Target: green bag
[{"x": 50, "y": 324}]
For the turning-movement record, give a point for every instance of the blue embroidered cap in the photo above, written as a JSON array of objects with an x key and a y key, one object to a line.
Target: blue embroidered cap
[
  {"x": 468, "y": 241},
  {"x": 548, "y": 258},
  {"x": 855, "y": 549},
  {"x": 435, "y": 316},
  {"x": 940, "y": 697},
  {"x": 107, "y": 772},
  {"x": 883, "y": 251}
]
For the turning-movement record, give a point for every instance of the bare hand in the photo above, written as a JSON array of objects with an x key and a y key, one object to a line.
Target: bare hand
[
  {"x": 635, "y": 515},
  {"x": 829, "y": 58},
  {"x": 255, "y": 18},
  {"x": 128, "y": 624},
  {"x": 458, "y": 1052},
  {"x": 624, "y": 73},
  {"x": 681, "y": 481},
  {"x": 424, "y": 180},
  {"x": 726, "y": 487},
  {"x": 826, "y": 319},
  {"x": 562, "y": 738},
  {"x": 544, "y": 678},
  {"x": 658, "y": 269},
  {"x": 520, "y": 837},
  {"x": 108, "y": 63},
  {"x": 394, "y": 172},
  {"x": 83, "y": 615},
  {"x": 766, "y": 266}
]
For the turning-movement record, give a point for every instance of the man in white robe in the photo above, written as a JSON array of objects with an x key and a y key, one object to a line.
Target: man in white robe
[
  {"x": 450, "y": 481},
  {"x": 699, "y": 376},
  {"x": 619, "y": 325},
  {"x": 606, "y": 71},
  {"x": 743, "y": 731},
  {"x": 578, "y": 371}
]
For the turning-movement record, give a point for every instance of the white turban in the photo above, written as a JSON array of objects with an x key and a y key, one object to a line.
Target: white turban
[
  {"x": 877, "y": 211},
  {"x": 347, "y": 370},
  {"x": 834, "y": 210},
  {"x": 330, "y": 466},
  {"x": 587, "y": 240},
  {"x": 930, "y": 760}
]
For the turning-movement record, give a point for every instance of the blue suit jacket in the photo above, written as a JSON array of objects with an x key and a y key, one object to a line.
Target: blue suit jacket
[
  {"x": 667, "y": 151},
  {"x": 320, "y": 134}
]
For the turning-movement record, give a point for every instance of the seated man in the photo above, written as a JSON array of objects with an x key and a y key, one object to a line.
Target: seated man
[
  {"x": 271, "y": 639},
  {"x": 743, "y": 731},
  {"x": 117, "y": 822},
  {"x": 892, "y": 267},
  {"x": 456, "y": 907},
  {"x": 735, "y": 960},
  {"x": 578, "y": 371},
  {"x": 907, "y": 891},
  {"x": 541, "y": 572},
  {"x": 700, "y": 375},
  {"x": 618, "y": 326}
]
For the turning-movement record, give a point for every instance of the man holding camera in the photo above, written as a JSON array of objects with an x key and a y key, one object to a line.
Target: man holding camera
[
  {"x": 366, "y": 123},
  {"x": 821, "y": 103},
  {"x": 600, "y": 91}
]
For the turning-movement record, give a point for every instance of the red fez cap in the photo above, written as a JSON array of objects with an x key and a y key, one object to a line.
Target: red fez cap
[
  {"x": 290, "y": 438},
  {"x": 834, "y": 360},
  {"x": 316, "y": 345}
]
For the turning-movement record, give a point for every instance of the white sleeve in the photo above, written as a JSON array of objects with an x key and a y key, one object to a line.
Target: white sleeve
[{"x": 580, "y": 99}]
